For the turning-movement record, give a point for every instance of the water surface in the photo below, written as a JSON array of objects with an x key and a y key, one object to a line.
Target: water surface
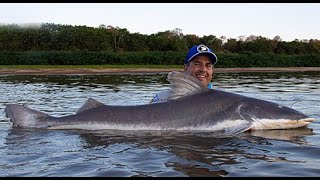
[{"x": 34, "y": 152}]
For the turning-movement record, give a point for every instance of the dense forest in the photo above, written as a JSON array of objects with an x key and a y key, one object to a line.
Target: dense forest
[{"x": 56, "y": 44}]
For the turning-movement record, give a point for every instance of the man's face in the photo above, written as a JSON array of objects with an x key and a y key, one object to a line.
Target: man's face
[{"x": 201, "y": 68}]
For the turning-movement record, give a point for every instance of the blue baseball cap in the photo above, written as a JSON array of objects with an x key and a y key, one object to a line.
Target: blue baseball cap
[{"x": 203, "y": 50}]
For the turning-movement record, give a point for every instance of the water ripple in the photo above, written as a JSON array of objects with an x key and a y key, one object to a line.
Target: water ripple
[{"x": 29, "y": 152}]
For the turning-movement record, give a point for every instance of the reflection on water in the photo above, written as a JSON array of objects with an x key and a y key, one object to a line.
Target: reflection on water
[{"x": 29, "y": 152}]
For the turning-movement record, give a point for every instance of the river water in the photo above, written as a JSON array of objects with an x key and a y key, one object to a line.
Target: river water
[{"x": 123, "y": 153}]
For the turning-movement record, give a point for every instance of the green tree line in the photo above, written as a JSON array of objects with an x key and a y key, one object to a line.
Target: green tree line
[{"x": 66, "y": 44}]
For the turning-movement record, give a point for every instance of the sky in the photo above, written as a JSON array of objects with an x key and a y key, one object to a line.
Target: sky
[{"x": 290, "y": 21}]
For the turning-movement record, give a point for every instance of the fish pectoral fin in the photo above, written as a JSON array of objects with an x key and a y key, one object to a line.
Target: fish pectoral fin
[
  {"x": 183, "y": 84},
  {"x": 238, "y": 128},
  {"x": 89, "y": 104}
]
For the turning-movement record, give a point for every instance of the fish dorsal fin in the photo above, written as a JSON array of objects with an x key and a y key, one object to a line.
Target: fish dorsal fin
[
  {"x": 183, "y": 84},
  {"x": 89, "y": 104}
]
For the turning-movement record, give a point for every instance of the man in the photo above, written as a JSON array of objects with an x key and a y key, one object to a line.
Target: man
[{"x": 199, "y": 63}]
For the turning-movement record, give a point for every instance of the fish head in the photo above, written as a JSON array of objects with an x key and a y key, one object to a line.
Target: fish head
[{"x": 270, "y": 115}]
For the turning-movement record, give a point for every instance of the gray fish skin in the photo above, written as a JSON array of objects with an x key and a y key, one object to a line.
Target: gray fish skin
[{"x": 200, "y": 109}]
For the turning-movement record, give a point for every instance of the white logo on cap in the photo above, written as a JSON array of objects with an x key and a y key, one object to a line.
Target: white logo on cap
[{"x": 203, "y": 48}]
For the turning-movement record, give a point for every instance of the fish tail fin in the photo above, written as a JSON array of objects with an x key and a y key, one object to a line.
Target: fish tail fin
[{"x": 22, "y": 116}]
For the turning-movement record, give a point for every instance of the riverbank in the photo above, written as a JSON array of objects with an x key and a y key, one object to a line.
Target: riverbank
[{"x": 55, "y": 71}]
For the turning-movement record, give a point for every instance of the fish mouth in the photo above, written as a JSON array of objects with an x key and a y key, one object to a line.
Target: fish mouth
[
  {"x": 308, "y": 120},
  {"x": 281, "y": 124}
]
